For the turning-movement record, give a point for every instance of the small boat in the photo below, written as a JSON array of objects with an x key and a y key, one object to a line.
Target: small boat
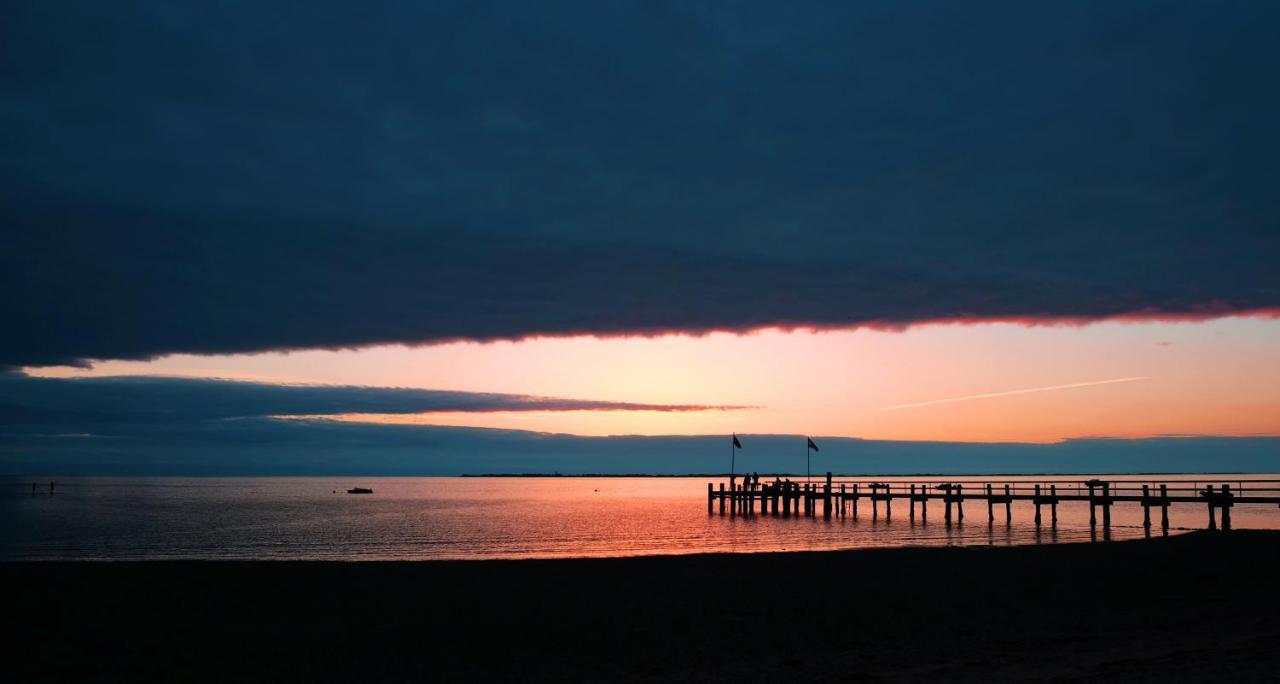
[{"x": 359, "y": 490}]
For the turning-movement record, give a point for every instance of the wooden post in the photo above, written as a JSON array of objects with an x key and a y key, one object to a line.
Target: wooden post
[
  {"x": 855, "y": 501},
  {"x": 1213, "y": 524},
  {"x": 826, "y": 498},
  {"x": 911, "y": 501},
  {"x": 843, "y": 501},
  {"x": 888, "y": 502},
  {"x": 1053, "y": 506},
  {"x": 1146, "y": 507},
  {"x": 1093, "y": 508},
  {"x": 1008, "y": 505},
  {"x": 947, "y": 497},
  {"x": 1037, "y": 500},
  {"x": 711, "y": 497},
  {"x": 1226, "y": 508},
  {"x": 875, "y": 504},
  {"x": 991, "y": 515},
  {"x": 1164, "y": 508},
  {"x": 924, "y": 502},
  {"x": 1106, "y": 506},
  {"x": 721, "y": 498},
  {"x": 960, "y": 503}
]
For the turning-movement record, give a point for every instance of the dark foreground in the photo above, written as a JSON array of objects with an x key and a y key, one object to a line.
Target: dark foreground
[{"x": 1191, "y": 608}]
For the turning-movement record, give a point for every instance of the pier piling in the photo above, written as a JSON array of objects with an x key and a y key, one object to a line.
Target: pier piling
[
  {"x": 1208, "y": 495},
  {"x": 1146, "y": 507},
  {"x": 1037, "y": 500},
  {"x": 826, "y": 498},
  {"x": 1106, "y": 506},
  {"x": 1226, "y": 508},
  {"x": 1053, "y": 507},
  {"x": 1164, "y": 509}
]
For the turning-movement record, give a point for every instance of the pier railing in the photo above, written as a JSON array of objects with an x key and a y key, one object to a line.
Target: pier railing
[{"x": 841, "y": 496}]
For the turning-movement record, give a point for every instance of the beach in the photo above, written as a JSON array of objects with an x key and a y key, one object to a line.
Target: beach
[{"x": 1185, "y": 608}]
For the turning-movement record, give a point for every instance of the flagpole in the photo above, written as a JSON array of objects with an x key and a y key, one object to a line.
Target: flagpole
[
  {"x": 806, "y": 458},
  {"x": 733, "y": 455}
]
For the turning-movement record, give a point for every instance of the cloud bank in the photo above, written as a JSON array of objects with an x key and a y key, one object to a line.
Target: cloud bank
[
  {"x": 236, "y": 178},
  {"x": 258, "y": 446},
  {"x": 178, "y": 426},
  {"x": 81, "y": 404}
]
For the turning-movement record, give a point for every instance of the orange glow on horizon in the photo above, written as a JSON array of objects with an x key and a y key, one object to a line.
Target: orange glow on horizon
[{"x": 1040, "y": 383}]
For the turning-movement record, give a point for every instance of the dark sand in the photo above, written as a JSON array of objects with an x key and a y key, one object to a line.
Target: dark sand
[{"x": 1190, "y": 608}]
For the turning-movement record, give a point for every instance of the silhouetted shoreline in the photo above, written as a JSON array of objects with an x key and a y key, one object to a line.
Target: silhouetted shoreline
[{"x": 1186, "y": 608}]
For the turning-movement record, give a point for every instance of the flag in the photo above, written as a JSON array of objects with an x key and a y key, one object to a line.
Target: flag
[
  {"x": 811, "y": 444},
  {"x": 736, "y": 443}
]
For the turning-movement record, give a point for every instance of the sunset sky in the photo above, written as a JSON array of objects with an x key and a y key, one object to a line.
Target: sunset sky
[
  {"x": 1219, "y": 377},
  {"x": 1012, "y": 222}
]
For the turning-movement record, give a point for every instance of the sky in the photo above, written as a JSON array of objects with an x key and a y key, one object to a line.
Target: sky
[{"x": 893, "y": 222}]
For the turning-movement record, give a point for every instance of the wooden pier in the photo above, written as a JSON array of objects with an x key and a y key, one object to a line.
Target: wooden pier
[{"x": 840, "y": 498}]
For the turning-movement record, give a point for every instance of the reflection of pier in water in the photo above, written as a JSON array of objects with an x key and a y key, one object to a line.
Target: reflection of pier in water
[{"x": 841, "y": 498}]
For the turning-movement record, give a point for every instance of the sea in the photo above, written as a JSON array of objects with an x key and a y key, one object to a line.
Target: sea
[{"x": 473, "y": 518}]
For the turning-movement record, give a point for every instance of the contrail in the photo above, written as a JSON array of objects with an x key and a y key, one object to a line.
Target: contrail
[{"x": 990, "y": 395}]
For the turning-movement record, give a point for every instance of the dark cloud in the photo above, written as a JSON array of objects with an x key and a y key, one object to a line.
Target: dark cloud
[
  {"x": 235, "y": 177},
  {"x": 80, "y": 404}
]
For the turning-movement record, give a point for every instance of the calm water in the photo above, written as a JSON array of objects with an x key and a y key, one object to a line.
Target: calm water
[{"x": 426, "y": 518}]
